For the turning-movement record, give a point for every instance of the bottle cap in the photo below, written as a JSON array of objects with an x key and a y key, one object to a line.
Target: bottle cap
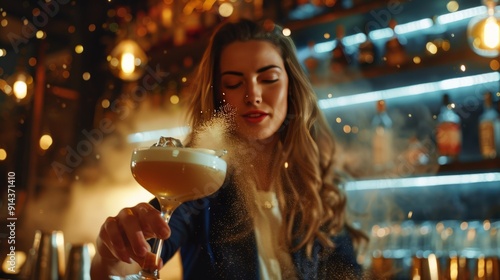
[
  {"x": 381, "y": 106},
  {"x": 446, "y": 99}
]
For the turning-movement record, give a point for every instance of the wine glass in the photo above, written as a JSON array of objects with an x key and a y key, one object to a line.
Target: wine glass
[{"x": 174, "y": 174}]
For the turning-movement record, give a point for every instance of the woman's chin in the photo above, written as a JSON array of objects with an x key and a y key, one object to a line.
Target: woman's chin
[{"x": 261, "y": 138}]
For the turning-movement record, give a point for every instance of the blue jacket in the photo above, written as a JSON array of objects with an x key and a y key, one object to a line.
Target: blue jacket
[{"x": 202, "y": 230}]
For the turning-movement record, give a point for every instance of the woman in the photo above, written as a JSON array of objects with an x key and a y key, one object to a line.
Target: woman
[{"x": 279, "y": 214}]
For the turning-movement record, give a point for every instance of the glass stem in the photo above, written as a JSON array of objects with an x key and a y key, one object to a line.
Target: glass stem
[{"x": 152, "y": 269}]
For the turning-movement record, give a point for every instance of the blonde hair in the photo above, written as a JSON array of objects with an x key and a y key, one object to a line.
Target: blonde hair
[{"x": 312, "y": 205}]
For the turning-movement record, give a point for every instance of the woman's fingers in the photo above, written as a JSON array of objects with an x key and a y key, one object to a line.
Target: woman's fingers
[
  {"x": 124, "y": 237},
  {"x": 111, "y": 243},
  {"x": 152, "y": 221},
  {"x": 130, "y": 221}
]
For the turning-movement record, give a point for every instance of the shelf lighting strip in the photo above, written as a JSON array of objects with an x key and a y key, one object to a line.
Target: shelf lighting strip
[
  {"x": 427, "y": 181},
  {"x": 406, "y": 91},
  {"x": 401, "y": 29}
]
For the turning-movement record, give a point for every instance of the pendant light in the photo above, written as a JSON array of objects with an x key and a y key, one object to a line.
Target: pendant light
[
  {"x": 21, "y": 84},
  {"x": 127, "y": 60},
  {"x": 483, "y": 31}
]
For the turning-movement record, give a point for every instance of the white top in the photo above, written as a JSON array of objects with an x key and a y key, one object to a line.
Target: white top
[{"x": 267, "y": 223}]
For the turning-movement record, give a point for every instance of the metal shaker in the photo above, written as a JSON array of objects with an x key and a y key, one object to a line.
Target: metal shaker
[
  {"x": 79, "y": 259},
  {"x": 46, "y": 260}
]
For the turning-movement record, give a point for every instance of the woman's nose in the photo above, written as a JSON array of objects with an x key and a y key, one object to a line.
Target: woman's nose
[{"x": 253, "y": 94}]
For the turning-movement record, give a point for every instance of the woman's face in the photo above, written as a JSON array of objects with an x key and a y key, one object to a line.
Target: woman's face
[{"x": 253, "y": 81}]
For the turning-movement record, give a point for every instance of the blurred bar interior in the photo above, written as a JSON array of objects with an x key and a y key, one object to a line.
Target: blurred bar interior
[{"x": 410, "y": 88}]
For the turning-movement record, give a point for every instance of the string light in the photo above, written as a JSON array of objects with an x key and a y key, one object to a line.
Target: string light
[
  {"x": 45, "y": 141},
  {"x": 3, "y": 154},
  {"x": 226, "y": 9}
]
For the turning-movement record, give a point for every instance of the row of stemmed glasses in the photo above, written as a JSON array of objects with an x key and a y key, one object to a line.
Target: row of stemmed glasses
[{"x": 411, "y": 247}]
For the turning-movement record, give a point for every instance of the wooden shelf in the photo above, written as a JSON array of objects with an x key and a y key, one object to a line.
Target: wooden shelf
[
  {"x": 336, "y": 14},
  {"x": 475, "y": 166},
  {"x": 428, "y": 61}
]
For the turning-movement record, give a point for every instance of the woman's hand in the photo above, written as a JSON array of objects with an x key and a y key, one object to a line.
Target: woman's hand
[{"x": 123, "y": 237}]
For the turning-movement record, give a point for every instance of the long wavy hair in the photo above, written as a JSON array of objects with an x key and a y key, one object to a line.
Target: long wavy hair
[{"x": 312, "y": 205}]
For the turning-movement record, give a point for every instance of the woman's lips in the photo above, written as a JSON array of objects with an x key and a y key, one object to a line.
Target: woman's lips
[{"x": 255, "y": 117}]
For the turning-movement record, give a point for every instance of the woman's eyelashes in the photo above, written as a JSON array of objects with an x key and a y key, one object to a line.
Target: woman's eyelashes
[
  {"x": 235, "y": 85},
  {"x": 270, "y": 81}
]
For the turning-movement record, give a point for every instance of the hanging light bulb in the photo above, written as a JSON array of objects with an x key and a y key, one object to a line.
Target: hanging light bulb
[
  {"x": 483, "y": 31},
  {"x": 127, "y": 60},
  {"x": 21, "y": 84}
]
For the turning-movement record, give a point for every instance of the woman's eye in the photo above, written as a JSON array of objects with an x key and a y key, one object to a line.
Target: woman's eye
[
  {"x": 269, "y": 78},
  {"x": 269, "y": 81},
  {"x": 232, "y": 86}
]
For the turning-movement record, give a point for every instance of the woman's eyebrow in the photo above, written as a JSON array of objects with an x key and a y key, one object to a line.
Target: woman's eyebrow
[
  {"x": 231, "y": 73},
  {"x": 265, "y": 68},
  {"x": 260, "y": 70}
]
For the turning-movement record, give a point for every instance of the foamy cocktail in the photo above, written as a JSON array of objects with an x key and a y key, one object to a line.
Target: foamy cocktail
[{"x": 174, "y": 174}]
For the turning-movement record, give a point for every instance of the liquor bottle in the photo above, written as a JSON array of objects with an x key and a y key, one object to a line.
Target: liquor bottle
[
  {"x": 448, "y": 132},
  {"x": 489, "y": 128},
  {"x": 366, "y": 52},
  {"x": 382, "y": 139},
  {"x": 497, "y": 130},
  {"x": 339, "y": 60},
  {"x": 395, "y": 53},
  {"x": 311, "y": 62}
]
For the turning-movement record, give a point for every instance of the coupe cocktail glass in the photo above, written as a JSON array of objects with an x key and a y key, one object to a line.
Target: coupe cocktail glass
[{"x": 174, "y": 174}]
